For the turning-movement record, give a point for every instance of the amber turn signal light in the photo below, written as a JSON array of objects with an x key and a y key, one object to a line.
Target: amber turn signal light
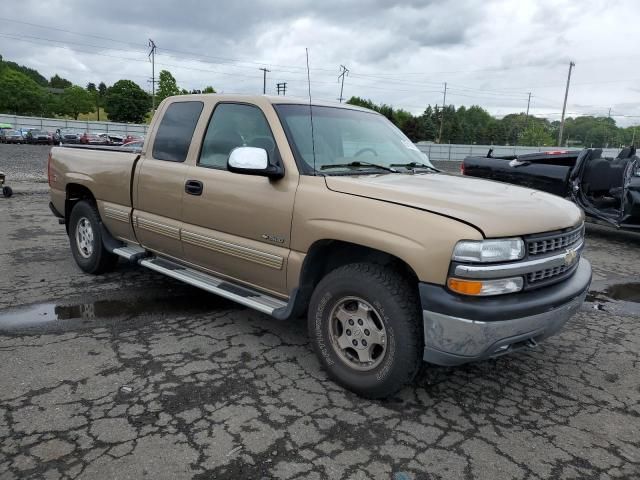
[
  {"x": 465, "y": 287},
  {"x": 485, "y": 288}
]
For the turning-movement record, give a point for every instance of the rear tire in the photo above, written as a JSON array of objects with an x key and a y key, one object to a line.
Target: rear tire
[
  {"x": 85, "y": 238},
  {"x": 7, "y": 191},
  {"x": 365, "y": 325}
]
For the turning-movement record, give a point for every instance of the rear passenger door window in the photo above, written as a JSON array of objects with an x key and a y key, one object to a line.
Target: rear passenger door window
[
  {"x": 235, "y": 125},
  {"x": 176, "y": 131}
]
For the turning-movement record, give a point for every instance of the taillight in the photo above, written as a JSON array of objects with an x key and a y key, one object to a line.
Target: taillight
[
  {"x": 462, "y": 168},
  {"x": 49, "y": 169}
]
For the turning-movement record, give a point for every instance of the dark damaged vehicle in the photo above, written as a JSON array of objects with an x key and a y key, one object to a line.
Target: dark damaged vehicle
[{"x": 607, "y": 189}]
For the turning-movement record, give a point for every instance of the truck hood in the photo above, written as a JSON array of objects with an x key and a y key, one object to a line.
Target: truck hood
[{"x": 496, "y": 209}]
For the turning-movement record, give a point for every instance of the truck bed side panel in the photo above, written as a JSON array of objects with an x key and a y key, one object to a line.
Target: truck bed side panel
[
  {"x": 548, "y": 176},
  {"x": 106, "y": 174}
]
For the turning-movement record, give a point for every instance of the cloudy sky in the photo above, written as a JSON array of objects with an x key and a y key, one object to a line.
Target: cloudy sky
[{"x": 490, "y": 52}]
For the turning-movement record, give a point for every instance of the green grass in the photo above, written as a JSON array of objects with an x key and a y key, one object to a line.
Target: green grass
[{"x": 93, "y": 116}]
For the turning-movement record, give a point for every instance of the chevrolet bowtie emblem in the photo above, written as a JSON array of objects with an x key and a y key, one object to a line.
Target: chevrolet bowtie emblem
[{"x": 570, "y": 257}]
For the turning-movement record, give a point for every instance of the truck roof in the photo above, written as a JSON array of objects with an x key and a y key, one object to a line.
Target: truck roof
[{"x": 260, "y": 99}]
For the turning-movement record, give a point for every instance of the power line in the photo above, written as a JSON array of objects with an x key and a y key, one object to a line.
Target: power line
[
  {"x": 64, "y": 30},
  {"x": 242, "y": 75},
  {"x": 382, "y": 75},
  {"x": 67, "y": 42},
  {"x": 483, "y": 92},
  {"x": 165, "y": 49}
]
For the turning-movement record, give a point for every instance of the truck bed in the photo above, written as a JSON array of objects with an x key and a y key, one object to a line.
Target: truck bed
[
  {"x": 546, "y": 171},
  {"x": 75, "y": 168}
]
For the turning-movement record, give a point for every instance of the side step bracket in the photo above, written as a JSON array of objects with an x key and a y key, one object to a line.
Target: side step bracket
[{"x": 132, "y": 253}]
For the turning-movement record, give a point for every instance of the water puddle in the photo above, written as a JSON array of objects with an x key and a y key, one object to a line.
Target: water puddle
[
  {"x": 85, "y": 313},
  {"x": 621, "y": 297},
  {"x": 627, "y": 292},
  {"x": 47, "y": 312}
]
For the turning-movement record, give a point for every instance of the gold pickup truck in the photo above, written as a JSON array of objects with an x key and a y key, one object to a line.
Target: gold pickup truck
[{"x": 287, "y": 207}]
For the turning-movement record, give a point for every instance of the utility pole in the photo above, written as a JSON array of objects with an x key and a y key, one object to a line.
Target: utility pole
[
  {"x": 152, "y": 57},
  {"x": 526, "y": 118},
  {"x": 282, "y": 87},
  {"x": 444, "y": 103},
  {"x": 604, "y": 131},
  {"x": 564, "y": 105},
  {"x": 264, "y": 80},
  {"x": 344, "y": 72}
]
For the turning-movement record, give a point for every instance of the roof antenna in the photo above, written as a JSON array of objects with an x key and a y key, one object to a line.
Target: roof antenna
[{"x": 313, "y": 142}]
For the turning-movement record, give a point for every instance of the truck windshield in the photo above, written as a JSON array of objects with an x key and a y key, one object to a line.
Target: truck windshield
[{"x": 346, "y": 140}]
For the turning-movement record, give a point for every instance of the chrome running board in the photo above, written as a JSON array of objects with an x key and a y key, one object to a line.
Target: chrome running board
[{"x": 240, "y": 294}]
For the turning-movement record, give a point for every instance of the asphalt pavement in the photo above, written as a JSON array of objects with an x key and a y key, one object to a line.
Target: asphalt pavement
[{"x": 132, "y": 375}]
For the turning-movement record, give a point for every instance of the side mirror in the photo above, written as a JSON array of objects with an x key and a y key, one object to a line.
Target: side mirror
[{"x": 253, "y": 161}]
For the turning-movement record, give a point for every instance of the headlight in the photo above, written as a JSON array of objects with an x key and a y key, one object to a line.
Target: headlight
[{"x": 484, "y": 251}]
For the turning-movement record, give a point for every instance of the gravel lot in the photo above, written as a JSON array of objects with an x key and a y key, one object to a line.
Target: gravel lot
[{"x": 132, "y": 375}]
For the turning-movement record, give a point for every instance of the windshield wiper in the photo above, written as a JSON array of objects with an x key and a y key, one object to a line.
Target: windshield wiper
[
  {"x": 414, "y": 165},
  {"x": 358, "y": 164}
]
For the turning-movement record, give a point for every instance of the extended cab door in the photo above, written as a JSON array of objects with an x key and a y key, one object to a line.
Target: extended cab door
[
  {"x": 239, "y": 225},
  {"x": 161, "y": 179}
]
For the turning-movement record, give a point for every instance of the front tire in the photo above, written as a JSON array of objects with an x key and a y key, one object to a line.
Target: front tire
[
  {"x": 364, "y": 323},
  {"x": 85, "y": 237},
  {"x": 7, "y": 191}
]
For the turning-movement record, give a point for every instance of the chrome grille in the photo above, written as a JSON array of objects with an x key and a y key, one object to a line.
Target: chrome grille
[
  {"x": 552, "y": 243},
  {"x": 547, "y": 273}
]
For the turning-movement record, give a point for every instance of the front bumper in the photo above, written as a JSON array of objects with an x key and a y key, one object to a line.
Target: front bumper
[{"x": 460, "y": 329}]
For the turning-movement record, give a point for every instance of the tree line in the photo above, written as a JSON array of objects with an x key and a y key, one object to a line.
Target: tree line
[
  {"x": 474, "y": 125},
  {"x": 24, "y": 91}
]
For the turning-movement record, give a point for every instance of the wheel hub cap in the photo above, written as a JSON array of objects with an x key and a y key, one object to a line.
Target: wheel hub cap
[
  {"x": 84, "y": 237},
  {"x": 358, "y": 334}
]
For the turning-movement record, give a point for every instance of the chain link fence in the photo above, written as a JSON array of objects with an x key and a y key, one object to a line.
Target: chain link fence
[{"x": 52, "y": 124}]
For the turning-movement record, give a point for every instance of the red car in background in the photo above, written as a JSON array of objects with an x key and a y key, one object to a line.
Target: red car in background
[
  {"x": 89, "y": 138},
  {"x": 133, "y": 138}
]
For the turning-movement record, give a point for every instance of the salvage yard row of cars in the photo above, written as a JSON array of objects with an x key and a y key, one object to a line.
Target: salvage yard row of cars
[{"x": 67, "y": 136}]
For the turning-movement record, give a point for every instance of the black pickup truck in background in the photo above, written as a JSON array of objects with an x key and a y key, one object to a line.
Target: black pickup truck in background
[{"x": 607, "y": 189}]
